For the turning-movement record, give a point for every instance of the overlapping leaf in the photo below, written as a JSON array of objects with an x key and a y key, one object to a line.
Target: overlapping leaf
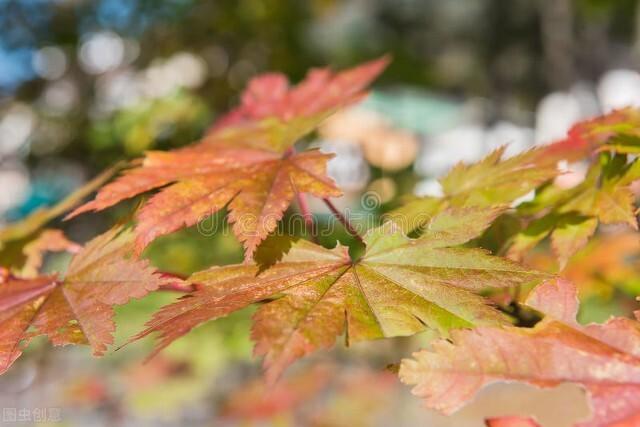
[
  {"x": 243, "y": 164},
  {"x": 607, "y": 267},
  {"x": 399, "y": 287},
  {"x": 76, "y": 309},
  {"x": 255, "y": 185},
  {"x": 270, "y": 95},
  {"x": 605, "y": 192},
  {"x": 48, "y": 241},
  {"x": 569, "y": 233},
  {"x": 617, "y": 131},
  {"x": 571, "y": 216},
  {"x": 608, "y": 262},
  {"x": 493, "y": 181},
  {"x": 604, "y": 359}
]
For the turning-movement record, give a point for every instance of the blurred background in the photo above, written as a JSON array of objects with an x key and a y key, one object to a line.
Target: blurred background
[{"x": 84, "y": 84}]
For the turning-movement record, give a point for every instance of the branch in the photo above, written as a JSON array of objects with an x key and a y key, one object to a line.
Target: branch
[{"x": 343, "y": 220}]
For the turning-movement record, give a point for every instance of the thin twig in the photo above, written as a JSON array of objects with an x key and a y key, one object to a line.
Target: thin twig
[{"x": 343, "y": 220}]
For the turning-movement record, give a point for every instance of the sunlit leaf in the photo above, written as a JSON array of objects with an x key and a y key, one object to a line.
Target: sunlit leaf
[
  {"x": 492, "y": 182},
  {"x": 270, "y": 95},
  {"x": 399, "y": 287},
  {"x": 603, "y": 358},
  {"x": 244, "y": 163},
  {"x": 76, "y": 309}
]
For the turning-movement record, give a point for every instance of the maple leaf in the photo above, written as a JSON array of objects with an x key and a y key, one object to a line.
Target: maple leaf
[
  {"x": 569, "y": 233},
  {"x": 491, "y": 182},
  {"x": 76, "y": 309},
  {"x": 602, "y": 358},
  {"x": 573, "y": 215},
  {"x": 494, "y": 181},
  {"x": 607, "y": 265},
  {"x": 269, "y": 95},
  {"x": 609, "y": 261},
  {"x": 570, "y": 217},
  {"x": 245, "y": 165},
  {"x": 48, "y": 241},
  {"x": 605, "y": 193},
  {"x": 256, "y": 186},
  {"x": 617, "y": 131},
  {"x": 399, "y": 287},
  {"x": 511, "y": 421}
]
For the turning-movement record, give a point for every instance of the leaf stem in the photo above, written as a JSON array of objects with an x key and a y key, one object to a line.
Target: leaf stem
[
  {"x": 307, "y": 216},
  {"x": 343, "y": 220},
  {"x": 178, "y": 286}
]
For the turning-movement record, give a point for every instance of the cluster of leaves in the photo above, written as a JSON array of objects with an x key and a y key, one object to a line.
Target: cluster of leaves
[{"x": 437, "y": 279}]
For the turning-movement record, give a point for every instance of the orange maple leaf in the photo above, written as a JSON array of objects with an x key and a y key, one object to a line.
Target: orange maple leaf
[
  {"x": 270, "y": 95},
  {"x": 76, "y": 309},
  {"x": 49, "y": 240},
  {"x": 246, "y": 164}
]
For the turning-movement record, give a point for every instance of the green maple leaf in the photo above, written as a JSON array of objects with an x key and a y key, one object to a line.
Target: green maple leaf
[
  {"x": 570, "y": 217},
  {"x": 400, "y": 286},
  {"x": 492, "y": 182}
]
